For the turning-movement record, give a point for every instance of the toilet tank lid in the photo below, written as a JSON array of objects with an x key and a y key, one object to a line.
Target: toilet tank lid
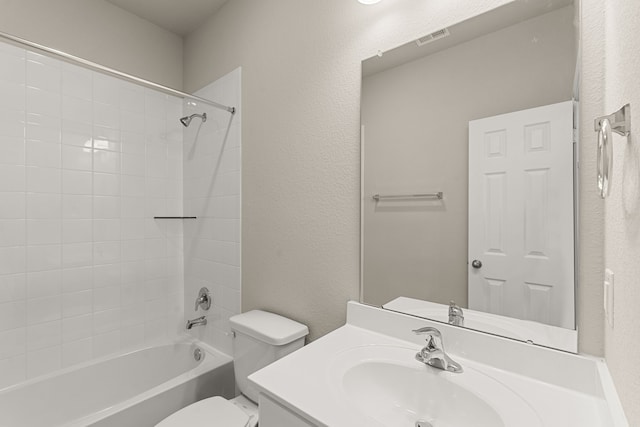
[{"x": 271, "y": 328}]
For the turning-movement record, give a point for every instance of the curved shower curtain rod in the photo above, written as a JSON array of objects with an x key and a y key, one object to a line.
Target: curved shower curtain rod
[{"x": 106, "y": 70}]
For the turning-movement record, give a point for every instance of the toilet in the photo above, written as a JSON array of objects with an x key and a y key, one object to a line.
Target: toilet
[{"x": 260, "y": 338}]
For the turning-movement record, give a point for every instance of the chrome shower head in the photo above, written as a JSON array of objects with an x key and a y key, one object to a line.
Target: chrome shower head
[{"x": 186, "y": 120}]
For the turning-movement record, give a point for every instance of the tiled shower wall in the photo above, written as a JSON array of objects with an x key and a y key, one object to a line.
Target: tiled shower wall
[
  {"x": 212, "y": 172},
  {"x": 86, "y": 161}
]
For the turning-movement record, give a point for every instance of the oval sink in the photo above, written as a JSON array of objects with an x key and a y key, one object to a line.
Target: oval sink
[{"x": 386, "y": 384}]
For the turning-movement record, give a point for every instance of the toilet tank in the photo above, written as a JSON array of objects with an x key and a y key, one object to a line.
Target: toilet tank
[{"x": 260, "y": 339}]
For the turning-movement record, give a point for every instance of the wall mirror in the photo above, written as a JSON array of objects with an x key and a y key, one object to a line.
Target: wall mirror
[{"x": 468, "y": 174}]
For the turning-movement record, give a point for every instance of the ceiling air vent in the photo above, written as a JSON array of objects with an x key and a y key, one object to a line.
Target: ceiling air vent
[{"x": 432, "y": 37}]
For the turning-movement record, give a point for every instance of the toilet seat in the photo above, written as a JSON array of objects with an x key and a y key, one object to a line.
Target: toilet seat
[{"x": 212, "y": 412}]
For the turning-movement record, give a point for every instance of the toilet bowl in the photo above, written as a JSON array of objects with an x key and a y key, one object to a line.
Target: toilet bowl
[{"x": 260, "y": 338}]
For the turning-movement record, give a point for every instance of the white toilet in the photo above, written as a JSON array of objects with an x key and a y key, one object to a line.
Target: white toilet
[{"x": 260, "y": 338}]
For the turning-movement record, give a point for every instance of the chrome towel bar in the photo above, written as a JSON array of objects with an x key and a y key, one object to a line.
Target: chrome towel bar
[{"x": 377, "y": 197}]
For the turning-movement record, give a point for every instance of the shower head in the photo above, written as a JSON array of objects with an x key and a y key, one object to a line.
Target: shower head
[{"x": 186, "y": 120}]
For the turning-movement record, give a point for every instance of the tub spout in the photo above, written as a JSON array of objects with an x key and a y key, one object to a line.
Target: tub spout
[{"x": 196, "y": 322}]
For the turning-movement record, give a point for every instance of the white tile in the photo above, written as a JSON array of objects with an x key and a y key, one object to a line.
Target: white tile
[
  {"x": 12, "y": 260},
  {"x": 44, "y": 75},
  {"x": 13, "y": 370},
  {"x": 106, "y": 321},
  {"x": 107, "y": 298},
  {"x": 133, "y": 165},
  {"x": 77, "y": 182},
  {"x": 76, "y": 82},
  {"x": 76, "y": 109},
  {"x": 131, "y": 121},
  {"x": 13, "y": 342},
  {"x": 133, "y": 186},
  {"x": 133, "y": 143},
  {"x": 133, "y": 296},
  {"x": 44, "y": 180},
  {"x": 77, "y": 231},
  {"x": 106, "y": 184},
  {"x": 106, "y": 89},
  {"x": 78, "y": 158},
  {"x": 133, "y": 273},
  {"x": 154, "y": 103},
  {"x": 105, "y": 230},
  {"x": 12, "y": 205},
  {"x": 77, "y": 206},
  {"x": 45, "y": 309},
  {"x": 44, "y": 232},
  {"x": 155, "y": 248},
  {"x": 133, "y": 250},
  {"x": 9, "y": 49},
  {"x": 12, "y": 151},
  {"x": 77, "y": 303},
  {"x": 106, "y": 207},
  {"x": 107, "y": 275},
  {"x": 44, "y": 335},
  {"x": 77, "y": 134},
  {"x": 77, "y": 328},
  {"x": 132, "y": 336},
  {"x": 12, "y": 232},
  {"x": 105, "y": 138},
  {"x": 44, "y": 206},
  {"x": 13, "y": 288},
  {"x": 106, "y": 161},
  {"x": 12, "y": 68},
  {"x": 12, "y": 315},
  {"x": 106, "y": 343},
  {"x": 43, "y": 154},
  {"x": 43, "y": 128},
  {"x": 44, "y": 283},
  {"x": 155, "y": 331},
  {"x": 131, "y": 207},
  {"x": 44, "y": 361},
  {"x": 12, "y": 178},
  {"x": 77, "y": 254},
  {"x": 131, "y": 97},
  {"x": 77, "y": 279},
  {"x": 106, "y": 115},
  {"x": 132, "y": 229},
  {"x": 155, "y": 309},
  {"x": 43, "y": 257},
  {"x": 13, "y": 96},
  {"x": 44, "y": 102},
  {"x": 77, "y": 352},
  {"x": 106, "y": 252}
]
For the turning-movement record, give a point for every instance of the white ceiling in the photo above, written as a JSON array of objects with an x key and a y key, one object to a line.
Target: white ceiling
[{"x": 178, "y": 16}]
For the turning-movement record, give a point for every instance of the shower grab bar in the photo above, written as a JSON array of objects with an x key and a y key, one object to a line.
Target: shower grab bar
[
  {"x": 377, "y": 197},
  {"x": 106, "y": 70}
]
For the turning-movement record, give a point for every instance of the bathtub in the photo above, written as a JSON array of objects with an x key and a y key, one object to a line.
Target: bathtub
[{"x": 136, "y": 389}]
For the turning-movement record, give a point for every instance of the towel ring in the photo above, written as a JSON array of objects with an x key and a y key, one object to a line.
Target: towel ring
[
  {"x": 620, "y": 123},
  {"x": 605, "y": 160}
]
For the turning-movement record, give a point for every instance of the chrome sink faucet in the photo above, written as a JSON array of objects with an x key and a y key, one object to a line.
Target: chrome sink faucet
[
  {"x": 196, "y": 322},
  {"x": 433, "y": 353},
  {"x": 456, "y": 315}
]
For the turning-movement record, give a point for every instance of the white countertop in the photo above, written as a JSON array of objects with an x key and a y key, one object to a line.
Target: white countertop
[{"x": 564, "y": 389}]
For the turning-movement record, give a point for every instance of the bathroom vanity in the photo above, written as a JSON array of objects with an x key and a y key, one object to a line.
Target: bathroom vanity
[{"x": 366, "y": 373}]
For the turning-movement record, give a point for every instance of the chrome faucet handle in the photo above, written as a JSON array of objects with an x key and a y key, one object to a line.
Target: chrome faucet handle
[
  {"x": 456, "y": 315},
  {"x": 203, "y": 300},
  {"x": 433, "y": 353}
]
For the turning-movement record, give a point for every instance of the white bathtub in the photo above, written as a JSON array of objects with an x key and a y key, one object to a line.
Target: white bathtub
[{"x": 135, "y": 389}]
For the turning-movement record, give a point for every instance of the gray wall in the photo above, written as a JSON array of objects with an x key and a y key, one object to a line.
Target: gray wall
[
  {"x": 98, "y": 31},
  {"x": 416, "y": 140}
]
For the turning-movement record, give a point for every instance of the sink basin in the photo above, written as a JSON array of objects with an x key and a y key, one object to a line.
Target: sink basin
[{"x": 388, "y": 386}]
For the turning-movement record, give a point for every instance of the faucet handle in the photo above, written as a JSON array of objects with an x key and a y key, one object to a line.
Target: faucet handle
[
  {"x": 203, "y": 300},
  {"x": 428, "y": 330}
]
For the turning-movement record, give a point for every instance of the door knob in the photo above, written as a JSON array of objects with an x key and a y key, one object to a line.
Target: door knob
[{"x": 476, "y": 263}]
